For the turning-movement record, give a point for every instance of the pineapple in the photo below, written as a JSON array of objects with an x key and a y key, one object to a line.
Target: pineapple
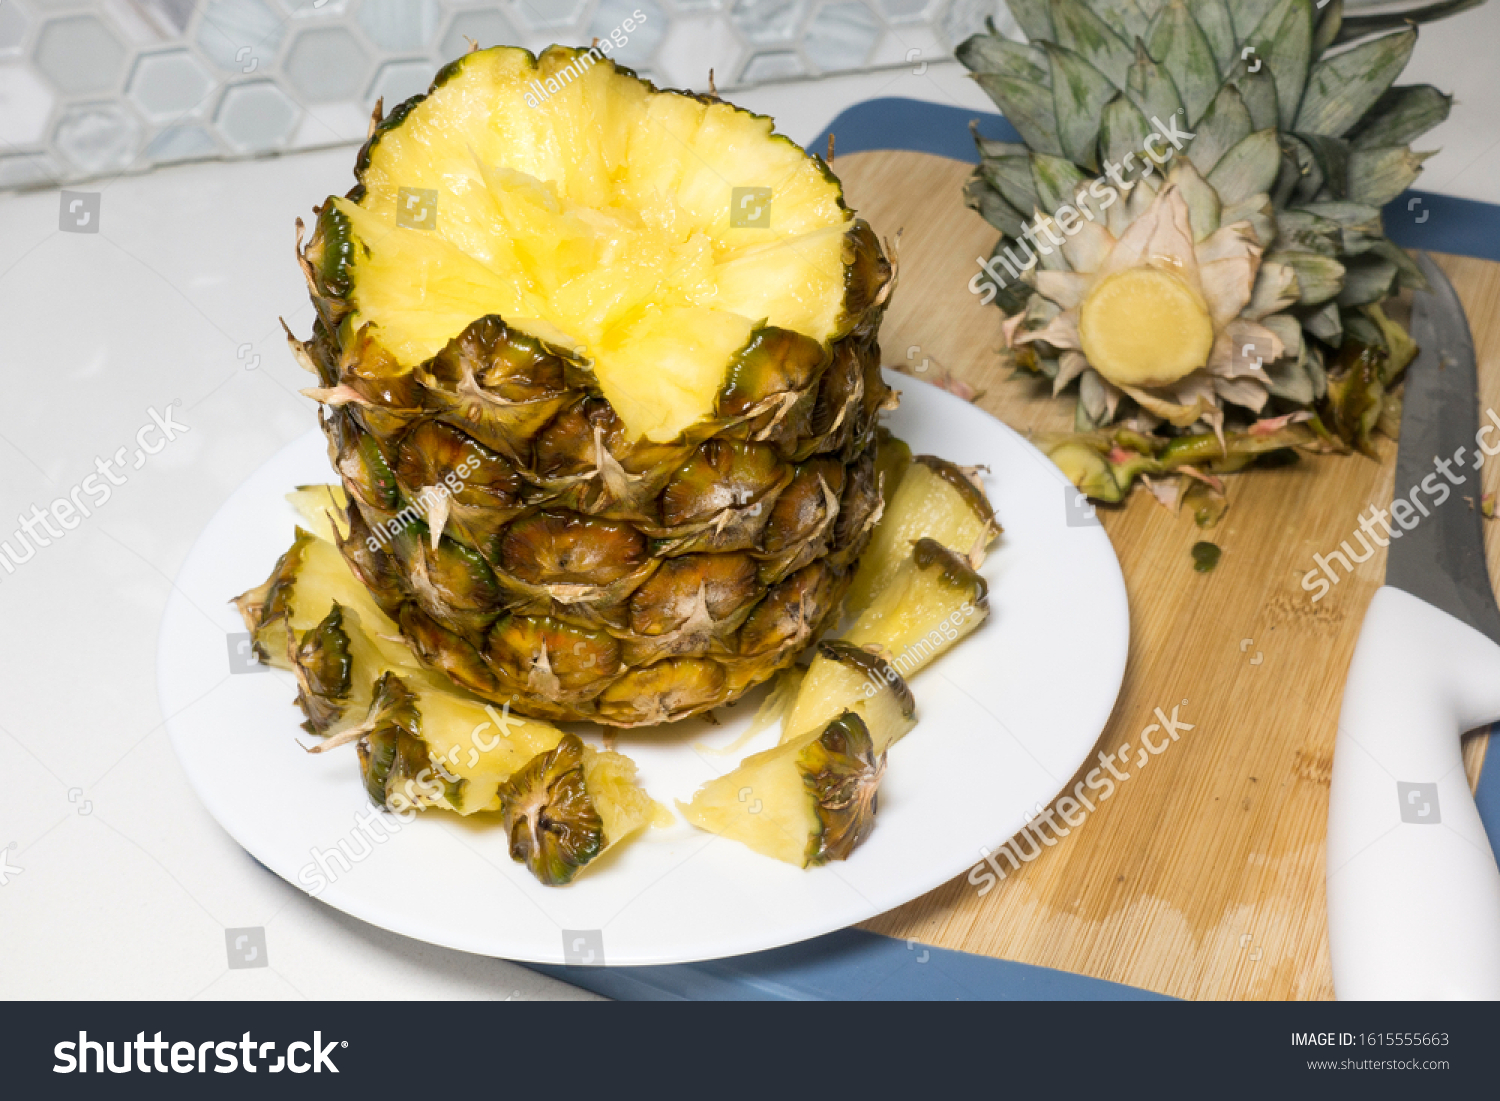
[
  {"x": 610, "y": 455},
  {"x": 807, "y": 801},
  {"x": 935, "y": 499},
  {"x": 421, "y": 741},
  {"x": 1225, "y": 288},
  {"x": 935, "y": 599}
]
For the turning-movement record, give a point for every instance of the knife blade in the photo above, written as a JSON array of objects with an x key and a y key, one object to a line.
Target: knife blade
[
  {"x": 1441, "y": 559},
  {"x": 1413, "y": 889}
]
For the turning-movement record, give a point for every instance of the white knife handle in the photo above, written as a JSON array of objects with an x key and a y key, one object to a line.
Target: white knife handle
[{"x": 1413, "y": 896}]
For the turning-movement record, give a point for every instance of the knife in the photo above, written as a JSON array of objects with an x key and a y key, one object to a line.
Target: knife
[{"x": 1413, "y": 888}]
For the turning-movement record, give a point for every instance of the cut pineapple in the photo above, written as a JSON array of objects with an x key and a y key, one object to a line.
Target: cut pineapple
[
  {"x": 936, "y": 500},
  {"x": 570, "y": 804},
  {"x": 805, "y": 802},
  {"x": 601, "y": 219},
  {"x": 935, "y": 599},
  {"x": 844, "y": 677},
  {"x": 422, "y": 743}
]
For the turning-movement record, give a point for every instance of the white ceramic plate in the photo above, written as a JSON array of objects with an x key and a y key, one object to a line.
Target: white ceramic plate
[{"x": 1006, "y": 718}]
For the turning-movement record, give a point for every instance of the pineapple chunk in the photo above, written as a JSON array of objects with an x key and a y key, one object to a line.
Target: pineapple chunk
[
  {"x": 566, "y": 807},
  {"x": 422, "y": 742},
  {"x": 936, "y": 500},
  {"x": 844, "y": 677},
  {"x": 935, "y": 599},
  {"x": 322, "y": 510},
  {"x": 805, "y": 802}
]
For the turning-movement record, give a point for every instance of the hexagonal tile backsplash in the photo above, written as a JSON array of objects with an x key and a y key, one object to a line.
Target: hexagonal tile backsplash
[{"x": 92, "y": 88}]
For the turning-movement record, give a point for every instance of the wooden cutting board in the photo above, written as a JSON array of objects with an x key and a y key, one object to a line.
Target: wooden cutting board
[{"x": 1202, "y": 877}]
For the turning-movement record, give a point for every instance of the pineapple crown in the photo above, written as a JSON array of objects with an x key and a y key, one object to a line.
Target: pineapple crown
[
  {"x": 1261, "y": 86},
  {"x": 1296, "y": 126}
]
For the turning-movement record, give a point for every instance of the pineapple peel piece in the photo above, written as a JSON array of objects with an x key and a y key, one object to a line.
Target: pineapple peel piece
[
  {"x": 841, "y": 771},
  {"x": 421, "y": 741},
  {"x": 552, "y": 824}
]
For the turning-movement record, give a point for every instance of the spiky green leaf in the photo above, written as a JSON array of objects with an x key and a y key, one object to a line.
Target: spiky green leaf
[
  {"x": 1011, "y": 176},
  {"x": 1150, "y": 87},
  {"x": 1319, "y": 278},
  {"x": 1218, "y": 27},
  {"x": 1325, "y": 322},
  {"x": 1223, "y": 126},
  {"x": 1127, "y": 18},
  {"x": 989, "y": 148},
  {"x": 1247, "y": 16},
  {"x": 1400, "y": 115},
  {"x": 1248, "y": 168},
  {"x": 1330, "y": 17},
  {"x": 1290, "y": 380},
  {"x": 1359, "y": 224},
  {"x": 1407, "y": 272},
  {"x": 1283, "y": 43},
  {"x": 1202, "y": 200},
  {"x": 1027, "y": 105},
  {"x": 1367, "y": 279},
  {"x": 992, "y": 207},
  {"x": 1079, "y": 93},
  {"x": 1122, "y": 134},
  {"x": 1341, "y": 88},
  {"x": 1307, "y": 232},
  {"x": 1358, "y": 26},
  {"x": 1033, "y": 18},
  {"x": 991, "y": 53},
  {"x": 1332, "y": 157},
  {"x": 1056, "y": 179},
  {"x": 1083, "y": 32},
  {"x": 1376, "y": 176},
  {"x": 1258, "y": 91},
  {"x": 1178, "y": 43},
  {"x": 1258, "y": 211}
]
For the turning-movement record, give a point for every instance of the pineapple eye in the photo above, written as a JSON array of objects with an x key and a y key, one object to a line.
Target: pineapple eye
[
  {"x": 552, "y": 658},
  {"x": 793, "y": 611},
  {"x": 723, "y": 475},
  {"x": 563, "y": 548}
]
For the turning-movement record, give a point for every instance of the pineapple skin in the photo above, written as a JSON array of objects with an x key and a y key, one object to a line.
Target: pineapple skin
[{"x": 580, "y": 575}]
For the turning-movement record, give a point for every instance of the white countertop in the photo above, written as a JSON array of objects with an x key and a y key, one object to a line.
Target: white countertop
[{"x": 125, "y": 885}]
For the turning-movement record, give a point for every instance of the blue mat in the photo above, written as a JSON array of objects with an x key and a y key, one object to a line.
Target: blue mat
[{"x": 852, "y": 964}]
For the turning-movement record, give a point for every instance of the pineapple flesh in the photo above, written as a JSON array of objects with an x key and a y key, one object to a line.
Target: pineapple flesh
[
  {"x": 610, "y": 454},
  {"x": 935, "y": 599},
  {"x": 935, "y": 499}
]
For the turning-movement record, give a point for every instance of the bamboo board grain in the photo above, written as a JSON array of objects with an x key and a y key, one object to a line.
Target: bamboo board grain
[{"x": 1202, "y": 877}]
